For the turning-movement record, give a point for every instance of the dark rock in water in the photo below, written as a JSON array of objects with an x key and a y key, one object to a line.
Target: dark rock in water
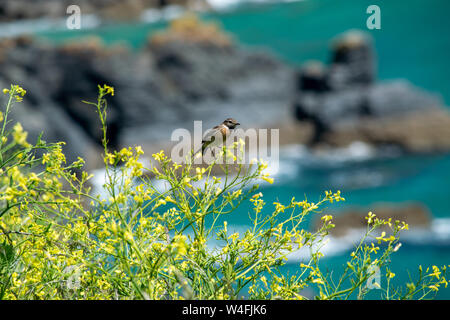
[
  {"x": 353, "y": 61},
  {"x": 352, "y": 64},
  {"x": 414, "y": 214},
  {"x": 345, "y": 104},
  {"x": 312, "y": 77}
]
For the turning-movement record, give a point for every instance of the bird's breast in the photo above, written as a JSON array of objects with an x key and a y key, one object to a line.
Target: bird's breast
[{"x": 225, "y": 131}]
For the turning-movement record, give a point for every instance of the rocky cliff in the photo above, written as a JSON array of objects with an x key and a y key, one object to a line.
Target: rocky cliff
[
  {"x": 176, "y": 79},
  {"x": 345, "y": 103}
]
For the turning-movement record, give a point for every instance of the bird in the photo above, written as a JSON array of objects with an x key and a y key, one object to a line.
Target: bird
[{"x": 222, "y": 130}]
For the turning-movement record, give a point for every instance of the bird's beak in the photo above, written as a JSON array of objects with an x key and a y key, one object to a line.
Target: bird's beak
[{"x": 237, "y": 123}]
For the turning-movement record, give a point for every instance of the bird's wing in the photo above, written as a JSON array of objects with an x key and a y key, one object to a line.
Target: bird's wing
[
  {"x": 213, "y": 137},
  {"x": 210, "y": 135}
]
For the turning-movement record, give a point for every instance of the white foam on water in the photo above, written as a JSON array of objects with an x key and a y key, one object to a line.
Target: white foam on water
[
  {"x": 329, "y": 246},
  {"x": 229, "y": 4},
  {"x": 223, "y": 4},
  {"x": 437, "y": 234},
  {"x": 441, "y": 228},
  {"x": 168, "y": 13},
  {"x": 355, "y": 152}
]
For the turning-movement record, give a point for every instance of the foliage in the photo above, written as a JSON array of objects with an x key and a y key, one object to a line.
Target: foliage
[{"x": 59, "y": 241}]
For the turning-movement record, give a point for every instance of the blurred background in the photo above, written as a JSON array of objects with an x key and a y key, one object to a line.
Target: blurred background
[{"x": 363, "y": 111}]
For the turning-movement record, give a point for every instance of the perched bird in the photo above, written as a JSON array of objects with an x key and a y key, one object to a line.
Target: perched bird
[{"x": 223, "y": 130}]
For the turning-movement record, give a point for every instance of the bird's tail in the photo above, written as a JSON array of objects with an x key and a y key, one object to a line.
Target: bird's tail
[{"x": 204, "y": 145}]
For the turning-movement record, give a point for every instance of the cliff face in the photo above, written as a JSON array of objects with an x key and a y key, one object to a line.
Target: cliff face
[
  {"x": 165, "y": 86},
  {"x": 345, "y": 103}
]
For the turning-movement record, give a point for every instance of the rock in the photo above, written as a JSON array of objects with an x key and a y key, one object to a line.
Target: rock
[
  {"x": 312, "y": 77},
  {"x": 345, "y": 104},
  {"x": 352, "y": 61},
  {"x": 417, "y": 132},
  {"x": 416, "y": 215},
  {"x": 189, "y": 28}
]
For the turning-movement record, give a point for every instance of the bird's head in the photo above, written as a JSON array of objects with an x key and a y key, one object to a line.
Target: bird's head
[{"x": 231, "y": 123}]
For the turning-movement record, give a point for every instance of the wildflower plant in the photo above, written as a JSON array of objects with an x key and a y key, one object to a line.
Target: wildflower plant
[{"x": 60, "y": 241}]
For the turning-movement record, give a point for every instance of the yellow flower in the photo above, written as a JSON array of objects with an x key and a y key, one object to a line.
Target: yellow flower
[
  {"x": 160, "y": 156},
  {"x": 264, "y": 280},
  {"x": 267, "y": 178},
  {"x": 128, "y": 236},
  {"x": 199, "y": 172},
  {"x": 436, "y": 272},
  {"x": 179, "y": 244},
  {"x": 373, "y": 248},
  {"x": 169, "y": 199},
  {"x": 20, "y": 90},
  {"x": 279, "y": 207},
  {"x": 318, "y": 281},
  {"x": 107, "y": 89},
  {"x": 20, "y": 136},
  {"x": 434, "y": 287},
  {"x": 186, "y": 181},
  {"x": 139, "y": 150},
  {"x": 236, "y": 194},
  {"x": 160, "y": 202},
  {"x": 370, "y": 217},
  {"x": 234, "y": 236},
  {"x": 381, "y": 237}
]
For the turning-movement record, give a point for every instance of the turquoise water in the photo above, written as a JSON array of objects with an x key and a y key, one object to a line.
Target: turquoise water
[{"x": 413, "y": 43}]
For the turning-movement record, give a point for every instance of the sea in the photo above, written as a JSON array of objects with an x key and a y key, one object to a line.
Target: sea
[{"x": 413, "y": 43}]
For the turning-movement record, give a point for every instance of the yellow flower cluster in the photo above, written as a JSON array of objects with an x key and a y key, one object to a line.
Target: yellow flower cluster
[
  {"x": 20, "y": 136},
  {"x": 141, "y": 241},
  {"x": 106, "y": 90},
  {"x": 16, "y": 92},
  {"x": 330, "y": 196}
]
